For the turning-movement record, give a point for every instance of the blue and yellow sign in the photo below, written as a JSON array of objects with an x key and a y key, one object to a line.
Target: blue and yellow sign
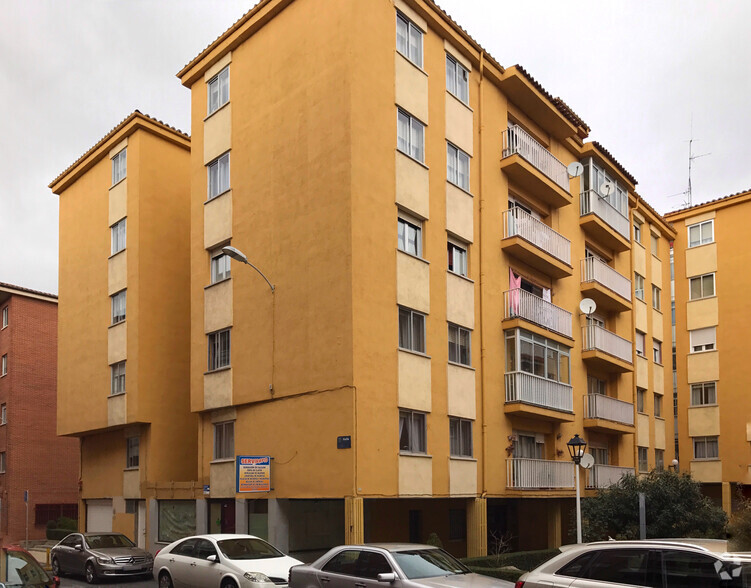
[{"x": 253, "y": 473}]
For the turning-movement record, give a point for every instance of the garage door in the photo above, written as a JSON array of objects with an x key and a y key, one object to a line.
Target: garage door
[{"x": 98, "y": 516}]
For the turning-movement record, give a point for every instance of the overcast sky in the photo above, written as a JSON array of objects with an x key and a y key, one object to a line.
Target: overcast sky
[{"x": 637, "y": 72}]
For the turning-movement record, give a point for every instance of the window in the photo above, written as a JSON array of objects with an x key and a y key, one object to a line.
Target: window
[
  {"x": 218, "y": 176},
  {"x": 642, "y": 454},
  {"x": 218, "y": 91},
  {"x": 410, "y": 136},
  {"x": 641, "y": 395},
  {"x": 459, "y": 345},
  {"x": 2, "y": 462},
  {"x": 706, "y": 448},
  {"x": 224, "y": 440},
  {"x": 596, "y": 386},
  {"x": 4, "y": 365},
  {"x": 220, "y": 266},
  {"x": 132, "y": 452},
  {"x": 529, "y": 445},
  {"x": 638, "y": 286},
  {"x": 703, "y": 339},
  {"x": 594, "y": 177},
  {"x": 657, "y": 351},
  {"x": 659, "y": 459},
  {"x": 411, "y": 330},
  {"x": 656, "y": 303},
  {"x": 637, "y": 230},
  {"x": 457, "y": 167},
  {"x": 177, "y": 519},
  {"x": 460, "y": 437},
  {"x": 620, "y": 567},
  {"x": 219, "y": 350},
  {"x": 658, "y": 405},
  {"x": 3, "y": 414},
  {"x": 118, "y": 236},
  {"x": 701, "y": 287},
  {"x": 119, "y": 167},
  {"x": 412, "y": 432},
  {"x": 457, "y": 79},
  {"x": 457, "y": 524},
  {"x": 408, "y": 39},
  {"x": 457, "y": 261},
  {"x": 655, "y": 241},
  {"x": 5, "y": 317},
  {"x": 118, "y": 378},
  {"x": 703, "y": 393},
  {"x": 118, "y": 307},
  {"x": 51, "y": 512},
  {"x": 639, "y": 343},
  {"x": 536, "y": 355},
  {"x": 409, "y": 236},
  {"x": 701, "y": 233}
]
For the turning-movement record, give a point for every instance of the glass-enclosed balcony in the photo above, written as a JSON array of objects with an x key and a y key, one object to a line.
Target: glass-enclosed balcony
[
  {"x": 536, "y": 243},
  {"x": 536, "y": 474}
]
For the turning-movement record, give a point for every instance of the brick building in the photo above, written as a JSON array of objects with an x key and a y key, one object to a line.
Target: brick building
[{"x": 32, "y": 456}]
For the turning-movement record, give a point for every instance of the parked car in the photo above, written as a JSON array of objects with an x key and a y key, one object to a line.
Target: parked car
[
  {"x": 100, "y": 555},
  {"x": 19, "y": 568},
  {"x": 653, "y": 563},
  {"x": 389, "y": 565},
  {"x": 224, "y": 561}
]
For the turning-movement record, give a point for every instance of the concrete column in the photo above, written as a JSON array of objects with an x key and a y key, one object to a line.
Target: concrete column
[
  {"x": 554, "y": 524},
  {"x": 241, "y": 516},
  {"x": 153, "y": 527},
  {"x": 279, "y": 523},
  {"x": 354, "y": 522},
  {"x": 727, "y": 498},
  {"x": 202, "y": 518},
  {"x": 477, "y": 527}
]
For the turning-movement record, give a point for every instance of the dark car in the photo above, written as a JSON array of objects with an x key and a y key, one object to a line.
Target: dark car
[
  {"x": 19, "y": 568},
  {"x": 100, "y": 555}
]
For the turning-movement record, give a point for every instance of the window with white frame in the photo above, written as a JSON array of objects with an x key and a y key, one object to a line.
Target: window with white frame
[
  {"x": 457, "y": 258},
  {"x": 117, "y": 371},
  {"x": 600, "y": 454},
  {"x": 410, "y": 136},
  {"x": 220, "y": 266},
  {"x": 659, "y": 459},
  {"x": 637, "y": 230},
  {"x": 460, "y": 437},
  {"x": 409, "y": 235},
  {"x": 133, "y": 450},
  {"x": 639, "y": 342},
  {"x": 459, "y": 345},
  {"x": 658, "y": 405},
  {"x": 119, "y": 166},
  {"x": 642, "y": 457},
  {"x": 408, "y": 39},
  {"x": 701, "y": 233},
  {"x": 532, "y": 354},
  {"x": 529, "y": 445},
  {"x": 596, "y": 386},
  {"x": 412, "y": 431},
  {"x": 595, "y": 176},
  {"x": 218, "y": 91},
  {"x": 219, "y": 349},
  {"x": 703, "y": 339},
  {"x": 639, "y": 286},
  {"x": 657, "y": 351},
  {"x": 3, "y": 414},
  {"x": 457, "y": 167},
  {"x": 2, "y": 462},
  {"x": 4, "y": 365},
  {"x": 411, "y": 330},
  {"x": 656, "y": 301},
  {"x": 706, "y": 447},
  {"x": 5, "y": 317},
  {"x": 457, "y": 79},
  {"x": 701, "y": 287},
  {"x": 655, "y": 241},
  {"x": 118, "y": 232},
  {"x": 703, "y": 393},
  {"x": 641, "y": 396},
  {"x": 218, "y": 174},
  {"x": 118, "y": 306},
  {"x": 224, "y": 440}
]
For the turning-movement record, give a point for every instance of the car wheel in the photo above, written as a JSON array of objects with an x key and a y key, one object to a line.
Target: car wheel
[
  {"x": 90, "y": 573},
  {"x": 56, "y": 571},
  {"x": 229, "y": 584},
  {"x": 165, "y": 581}
]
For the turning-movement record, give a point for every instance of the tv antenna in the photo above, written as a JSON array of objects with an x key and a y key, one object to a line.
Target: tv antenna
[{"x": 687, "y": 193}]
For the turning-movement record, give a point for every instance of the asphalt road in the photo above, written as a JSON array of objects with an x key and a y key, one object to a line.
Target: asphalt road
[{"x": 78, "y": 582}]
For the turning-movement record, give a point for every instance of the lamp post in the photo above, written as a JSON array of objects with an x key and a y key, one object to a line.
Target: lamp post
[
  {"x": 576, "y": 447},
  {"x": 673, "y": 465}
]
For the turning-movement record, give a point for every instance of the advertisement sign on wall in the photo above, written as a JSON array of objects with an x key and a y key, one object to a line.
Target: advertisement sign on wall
[{"x": 253, "y": 473}]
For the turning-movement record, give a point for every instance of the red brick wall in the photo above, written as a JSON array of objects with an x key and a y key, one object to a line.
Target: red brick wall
[{"x": 37, "y": 459}]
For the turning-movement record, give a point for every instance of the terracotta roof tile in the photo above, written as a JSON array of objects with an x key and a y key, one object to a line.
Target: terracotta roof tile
[
  {"x": 615, "y": 162},
  {"x": 720, "y": 199},
  {"x": 29, "y": 290}
]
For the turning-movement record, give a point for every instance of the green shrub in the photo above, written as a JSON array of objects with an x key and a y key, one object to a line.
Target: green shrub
[
  {"x": 60, "y": 528},
  {"x": 66, "y": 523},
  {"x": 510, "y": 574},
  {"x": 524, "y": 560}
]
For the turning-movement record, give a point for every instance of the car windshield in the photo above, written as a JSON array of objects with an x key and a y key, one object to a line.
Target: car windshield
[
  {"x": 428, "y": 563},
  {"x": 107, "y": 541},
  {"x": 248, "y": 548},
  {"x": 23, "y": 570}
]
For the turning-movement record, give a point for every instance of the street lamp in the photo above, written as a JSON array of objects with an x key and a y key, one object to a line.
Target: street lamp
[
  {"x": 673, "y": 465},
  {"x": 576, "y": 447},
  {"x": 238, "y": 255}
]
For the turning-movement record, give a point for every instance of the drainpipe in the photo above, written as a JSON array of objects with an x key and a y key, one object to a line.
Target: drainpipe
[{"x": 482, "y": 283}]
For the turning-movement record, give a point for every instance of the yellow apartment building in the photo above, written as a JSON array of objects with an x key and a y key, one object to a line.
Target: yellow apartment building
[
  {"x": 712, "y": 315},
  {"x": 124, "y": 326}
]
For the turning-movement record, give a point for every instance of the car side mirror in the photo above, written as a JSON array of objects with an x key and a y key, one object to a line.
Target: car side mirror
[
  {"x": 78, "y": 547},
  {"x": 389, "y": 577},
  {"x": 211, "y": 558}
]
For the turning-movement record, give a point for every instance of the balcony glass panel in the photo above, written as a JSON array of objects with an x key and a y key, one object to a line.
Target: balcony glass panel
[
  {"x": 519, "y": 222},
  {"x": 517, "y": 140},
  {"x": 532, "y": 474}
]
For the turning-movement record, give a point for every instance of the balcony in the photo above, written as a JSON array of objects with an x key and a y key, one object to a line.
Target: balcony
[
  {"x": 604, "y": 222},
  {"x": 608, "y": 415},
  {"x": 521, "y": 304},
  {"x": 605, "y": 350},
  {"x": 538, "y": 397},
  {"x": 609, "y": 289},
  {"x": 602, "y": 476},
  {"x": 537, "y": 474},
  {"x": 536, "y": 244},
  {"x": 529, "y": 165}
]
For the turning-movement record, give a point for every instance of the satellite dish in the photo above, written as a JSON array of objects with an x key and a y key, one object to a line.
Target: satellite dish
[
  {"x": 587, "y": 461},
  {"x": 587, "y": 306},
  {"x": 607, "y": 188},
  {"x": 575, "y": 169}
]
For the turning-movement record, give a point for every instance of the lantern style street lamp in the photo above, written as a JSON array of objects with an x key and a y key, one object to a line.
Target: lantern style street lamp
[{"x": 576, "y": 447}]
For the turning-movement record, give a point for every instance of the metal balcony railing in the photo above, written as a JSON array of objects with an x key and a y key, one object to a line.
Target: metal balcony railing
[
  {"x": 538, "y": 391},
  {"x": 533, "y": 474},
  {"x": 599, "y": 406},
  {"x": 597, "y": 337},
  {"x": 522, "y": 304},
  {"x": 519, "y": 222},
  {"x": 602, "y": 476},
  {"x": 592, "y": 202},
  {"x": 517, "y": 140},
  {"x": 596, "y": 270}
]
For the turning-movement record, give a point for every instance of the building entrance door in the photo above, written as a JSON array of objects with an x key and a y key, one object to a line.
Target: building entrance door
[{"x": 222, "y": 516}]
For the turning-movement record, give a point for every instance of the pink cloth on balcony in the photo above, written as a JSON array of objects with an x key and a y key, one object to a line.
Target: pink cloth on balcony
[{"x": 515, "y": 283}]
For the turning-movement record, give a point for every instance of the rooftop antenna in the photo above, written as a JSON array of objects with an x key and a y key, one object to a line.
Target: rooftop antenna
[{"x": 691, "y": 157}]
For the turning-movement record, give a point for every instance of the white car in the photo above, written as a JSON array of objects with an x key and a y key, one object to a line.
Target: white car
[{"x": 222, "y": 561}]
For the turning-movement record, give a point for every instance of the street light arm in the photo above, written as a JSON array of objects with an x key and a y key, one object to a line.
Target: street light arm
[
  {"x": 238, "y": 255},
  {"x": 261, "y": 274}
]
